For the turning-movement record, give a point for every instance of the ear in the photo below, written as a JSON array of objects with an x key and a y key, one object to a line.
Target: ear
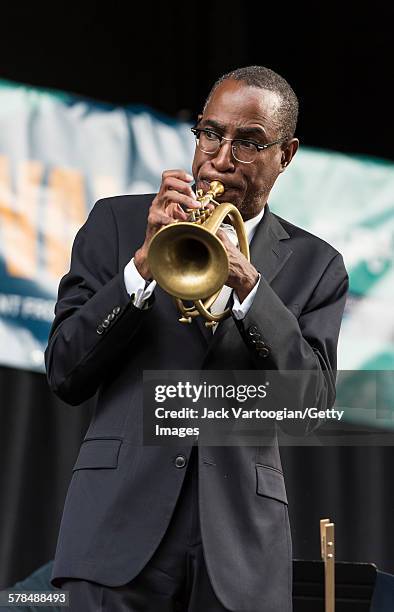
[{"x": 289, "y": 149}]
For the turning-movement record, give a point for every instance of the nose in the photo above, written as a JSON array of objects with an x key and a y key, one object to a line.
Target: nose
[{"x": 223, "y": 161}]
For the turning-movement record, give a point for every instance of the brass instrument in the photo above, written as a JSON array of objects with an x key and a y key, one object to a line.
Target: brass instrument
[{"x": 190, "y": 262}]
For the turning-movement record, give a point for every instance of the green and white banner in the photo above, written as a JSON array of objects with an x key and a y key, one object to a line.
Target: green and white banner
[{"x": 60, "y": 153}]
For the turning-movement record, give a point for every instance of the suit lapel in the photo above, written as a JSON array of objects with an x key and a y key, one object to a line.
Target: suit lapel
[{"x": 268, "y": 253}]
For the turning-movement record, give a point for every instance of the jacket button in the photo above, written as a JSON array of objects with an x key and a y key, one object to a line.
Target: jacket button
[
  {"x": 180, "y": 461},
  {"x": 100, "y": 329},
  {"x": 105, "y": 323},
  {"x": 252, "y": 330},
  {"x": 116, "y": 310},
  {"x": 111, "y": 316},
  {"x": 259, "y": 344},
  {"x": 263, "y": 352}
]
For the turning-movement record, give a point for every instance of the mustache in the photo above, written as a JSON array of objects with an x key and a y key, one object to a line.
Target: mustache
[{"x": 226, "y": 184}]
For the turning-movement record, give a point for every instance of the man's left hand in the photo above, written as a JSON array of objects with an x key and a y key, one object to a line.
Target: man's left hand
[{"x": 242, "y": 274}]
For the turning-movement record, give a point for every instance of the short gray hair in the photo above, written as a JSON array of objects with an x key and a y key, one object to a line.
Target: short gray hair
[{"x": 265, "y": 78}]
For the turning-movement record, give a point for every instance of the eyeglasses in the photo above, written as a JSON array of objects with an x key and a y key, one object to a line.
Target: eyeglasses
[{"x": 244, "y": 151}]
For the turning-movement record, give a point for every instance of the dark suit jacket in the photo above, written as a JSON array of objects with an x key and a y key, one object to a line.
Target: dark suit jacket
[{"x": 122, "y": 493}]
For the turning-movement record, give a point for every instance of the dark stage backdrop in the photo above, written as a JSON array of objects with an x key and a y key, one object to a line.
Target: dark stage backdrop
[
  {"x": 39, "y": 442},
  {"x": 338, "y": 58}
]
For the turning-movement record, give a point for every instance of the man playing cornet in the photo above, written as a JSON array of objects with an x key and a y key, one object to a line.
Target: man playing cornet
[{"x": 175, "y": 528}]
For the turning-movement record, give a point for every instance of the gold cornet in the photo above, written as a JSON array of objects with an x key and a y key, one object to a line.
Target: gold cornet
[{"x": 190, "y": 262}]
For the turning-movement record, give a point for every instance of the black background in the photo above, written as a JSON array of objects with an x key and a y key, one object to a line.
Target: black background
[{"x": 338, "y": 58}]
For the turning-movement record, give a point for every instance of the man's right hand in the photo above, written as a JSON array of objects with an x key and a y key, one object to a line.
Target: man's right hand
[{"x": 166, "y": 208}]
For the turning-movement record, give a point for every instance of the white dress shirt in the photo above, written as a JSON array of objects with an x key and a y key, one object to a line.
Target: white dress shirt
[{"x": 140, "y": 290}]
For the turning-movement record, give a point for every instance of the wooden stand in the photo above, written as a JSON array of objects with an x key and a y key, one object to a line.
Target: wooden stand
[{"x": 327, "y": 542}]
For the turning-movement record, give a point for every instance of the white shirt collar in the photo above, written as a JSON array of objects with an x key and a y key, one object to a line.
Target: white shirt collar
[
  {"x": 250, "y": 227},
  {"x": 251, "y": 224}
]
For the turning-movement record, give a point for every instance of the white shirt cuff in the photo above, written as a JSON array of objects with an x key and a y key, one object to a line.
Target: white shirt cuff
[
  {"x": 240, "y": 310},
  {"x": 137, "y": 287}
]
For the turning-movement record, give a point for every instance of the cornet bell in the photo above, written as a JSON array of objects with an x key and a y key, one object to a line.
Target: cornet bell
[{"x": 188, "y": 261}]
